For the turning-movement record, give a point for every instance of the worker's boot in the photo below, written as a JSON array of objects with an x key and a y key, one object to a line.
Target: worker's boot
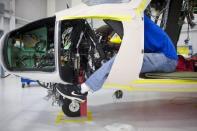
[{"x": 71, "y": 92}]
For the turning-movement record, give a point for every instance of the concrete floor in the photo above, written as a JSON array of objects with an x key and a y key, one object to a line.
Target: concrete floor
[{"x": 26, "y": 110}]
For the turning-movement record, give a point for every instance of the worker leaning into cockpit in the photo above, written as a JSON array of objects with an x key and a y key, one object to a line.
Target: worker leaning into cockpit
[{"x": 160, "y": 56}]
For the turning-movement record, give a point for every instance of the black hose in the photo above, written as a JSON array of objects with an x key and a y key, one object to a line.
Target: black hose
[
  {"x": 45, "y": 85},
  {"x": 5, "y": 76}
]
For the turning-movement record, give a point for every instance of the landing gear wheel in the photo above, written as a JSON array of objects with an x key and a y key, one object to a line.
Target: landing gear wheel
[{"x": 71, "y": 108}]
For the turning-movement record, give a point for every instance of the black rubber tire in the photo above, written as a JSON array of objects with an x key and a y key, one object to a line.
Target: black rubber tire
[{"x": 67, "y": 111}]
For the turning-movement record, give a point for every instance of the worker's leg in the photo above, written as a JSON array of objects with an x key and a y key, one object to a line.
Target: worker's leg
[
  {"x": 152, "y": 62},
  {"x": 157, "y": 62},
  {"x": 97, "y": 79},
  {"x": 94, "y": 83}
]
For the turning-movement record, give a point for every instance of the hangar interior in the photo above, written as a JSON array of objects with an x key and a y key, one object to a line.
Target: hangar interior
[{"x": 31, "y": 107}]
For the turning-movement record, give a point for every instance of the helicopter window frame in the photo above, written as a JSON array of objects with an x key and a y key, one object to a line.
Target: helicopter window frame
[{"x": 36, "y": 25}]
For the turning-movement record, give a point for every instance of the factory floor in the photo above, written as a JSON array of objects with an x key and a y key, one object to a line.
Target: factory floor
[{"x": 26, "y": 109}]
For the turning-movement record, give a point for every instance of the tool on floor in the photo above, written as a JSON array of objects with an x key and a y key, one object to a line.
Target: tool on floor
[{"x": 27, "y": 82}]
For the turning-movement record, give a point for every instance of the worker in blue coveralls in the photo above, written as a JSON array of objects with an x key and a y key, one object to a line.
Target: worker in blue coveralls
[{"x": 160, "y": 56}]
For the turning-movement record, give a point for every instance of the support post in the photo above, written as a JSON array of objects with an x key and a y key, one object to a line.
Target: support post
[
  {"x": 83, "y": 109},
  {"x": 1, "y": 69},
  {"x": 173, "y": 29}
]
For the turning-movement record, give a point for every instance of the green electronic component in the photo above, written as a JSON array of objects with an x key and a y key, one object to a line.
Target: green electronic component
[
  {"x": 25, "y": 50},
  {"x": 195, "y": 10}
]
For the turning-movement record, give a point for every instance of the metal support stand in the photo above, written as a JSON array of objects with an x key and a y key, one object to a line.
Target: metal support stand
[{"x": 83, "y": 109}]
